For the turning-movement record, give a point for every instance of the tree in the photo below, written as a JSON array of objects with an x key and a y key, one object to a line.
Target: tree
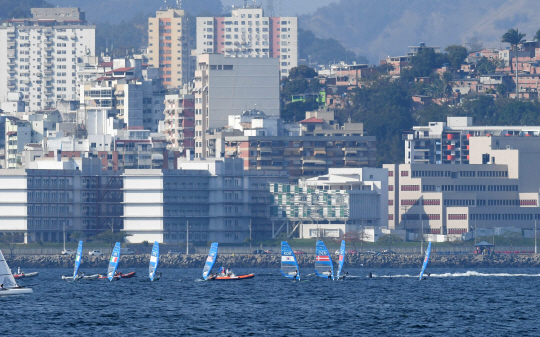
[
  {"x": 537, "y": 35},
  {"x": 501, "y": 89},
  {"x": 485, "y": 66},
  {"x": 11, "y": 240},
  {"x": 514, "y": 37},
  {"x": 423, "y": 63},
  {"x": 456, "y": 55},
  {"x": 111, "y": 237},
  {"x": 324, "y": 51},
  {"x": 76, "y": 235},
  {"x": 302, "y": 71},
  {"x": 389, "y": 239}
]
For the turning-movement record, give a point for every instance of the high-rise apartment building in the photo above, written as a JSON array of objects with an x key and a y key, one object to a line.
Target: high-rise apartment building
[
  {"x": 248, "y": 33},
  {"x": 39, "y": 55},
  {"x": 169, "y": 46}
]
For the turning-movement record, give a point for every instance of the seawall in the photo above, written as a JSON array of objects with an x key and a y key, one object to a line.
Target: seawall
[{"x": 273, "y": 261}]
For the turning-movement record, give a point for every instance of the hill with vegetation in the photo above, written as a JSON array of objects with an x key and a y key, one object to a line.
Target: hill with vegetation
[
  {"x": 10, "y": 9},
  {"x": 387, "y": 27}
]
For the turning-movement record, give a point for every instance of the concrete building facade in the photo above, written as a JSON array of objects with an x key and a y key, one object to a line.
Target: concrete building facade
[{"x": 226, "y": 86}]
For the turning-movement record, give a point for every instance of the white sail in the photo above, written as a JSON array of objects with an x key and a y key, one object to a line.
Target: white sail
[{"x": 6, "y": 277}]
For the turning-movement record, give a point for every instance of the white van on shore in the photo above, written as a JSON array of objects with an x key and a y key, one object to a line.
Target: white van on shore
[{"x": 126, "y": 251}]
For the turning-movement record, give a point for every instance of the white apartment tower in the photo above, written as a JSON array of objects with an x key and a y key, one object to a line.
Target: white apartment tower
[
  {"x": 38, "y": 56},
  {"x": 248, "y": 33}
]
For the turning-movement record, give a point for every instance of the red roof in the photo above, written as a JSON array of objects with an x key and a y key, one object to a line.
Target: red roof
[
  {"x": 106, "y": 64},
  {"x": 312, "y": 120},
  {"x": 119, "y": 70}
]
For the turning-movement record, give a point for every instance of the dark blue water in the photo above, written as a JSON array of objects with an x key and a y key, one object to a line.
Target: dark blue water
[{"x": 494, "y": 302}]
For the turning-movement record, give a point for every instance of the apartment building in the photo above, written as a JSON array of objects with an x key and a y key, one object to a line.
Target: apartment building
[
  {"x": 131, "y": 92},
  {"x": 344, "y": 200},
  {"x": 18, "y": 133},
  {"x": 225, "y": 86},
  {"x": 62, "y": 194},
  {"x": 39, "y": 55},
  {"x": 169, "y": 46},
  {"x": 179, "y": 125},
  {"x": 499, "y": 187},
  {"x": 248, "y": 33},
  {"x": 316, "y": 145},
  {"x": 449, "y": 143},
  {"x": 217, "y": 199}
]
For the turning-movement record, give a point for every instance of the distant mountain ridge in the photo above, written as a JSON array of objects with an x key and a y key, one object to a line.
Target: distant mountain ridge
[
  {"x": 10, "y": 9},
  {"x": 387, "y": 27}
]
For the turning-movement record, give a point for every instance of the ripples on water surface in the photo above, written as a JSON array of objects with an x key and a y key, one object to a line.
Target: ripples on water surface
[{"x": 494, "y": 302}]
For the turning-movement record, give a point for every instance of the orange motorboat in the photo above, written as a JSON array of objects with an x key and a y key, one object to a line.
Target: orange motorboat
[{"x": 231, "y": 278}]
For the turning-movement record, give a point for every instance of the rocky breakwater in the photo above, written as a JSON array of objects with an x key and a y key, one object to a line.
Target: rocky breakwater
[{"x": 274, "y": 260}]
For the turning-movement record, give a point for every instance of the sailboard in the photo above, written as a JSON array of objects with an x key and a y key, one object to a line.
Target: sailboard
[
  {"x": 341, "y": 258},
  {"x": 426, "y": 260},
  {"x": 154, "y": 259},
  {"x": 6, "y": 278},
  {"x": 210, "y": 260},
  {"x": 113, "y": 262},
  {"x": 289, "y": 265},
  {"x": 78, "y": 258},
  {"x": 323, "y": 261}
]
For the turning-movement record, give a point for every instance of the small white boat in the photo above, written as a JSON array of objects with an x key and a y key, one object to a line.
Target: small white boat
[
  {"x": 25, "y": 275},
  {"x": 89, "y": 277},
  {"x": 11, "y": 287}
]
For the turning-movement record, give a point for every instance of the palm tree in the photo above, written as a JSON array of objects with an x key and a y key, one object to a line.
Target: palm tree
[{"x": 514, "y": 37}]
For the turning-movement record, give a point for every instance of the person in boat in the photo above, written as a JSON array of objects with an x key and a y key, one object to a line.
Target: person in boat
[
  {"x": 19, "y": 270},
  {"x": 228, "y": 272},
  {"x": 295, "y": 274}
]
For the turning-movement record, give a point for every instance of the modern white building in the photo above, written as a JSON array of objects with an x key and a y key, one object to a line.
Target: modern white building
[
  {"x": 499, "y": 187},
  {"x": 247, "y": 33},
  {"x": 344, "y": 200},
  {"x": 449, "y": 143},
  {"x": 226, "y": 86},
  {"x": 39, "y": 55},
  {"x": 217, "y": 199},
  {"x": 58, "y": 193}
]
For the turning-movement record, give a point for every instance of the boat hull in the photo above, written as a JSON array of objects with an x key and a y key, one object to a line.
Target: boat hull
[
  {"x": 89, "y": 277},
  {"x": 128, "y": 275},
  {"x": 15, "y": 292},
  {"x": 232, "y": 278}
]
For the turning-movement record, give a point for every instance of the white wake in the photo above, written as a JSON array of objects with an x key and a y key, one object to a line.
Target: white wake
[{"x": 469, "y": 273}]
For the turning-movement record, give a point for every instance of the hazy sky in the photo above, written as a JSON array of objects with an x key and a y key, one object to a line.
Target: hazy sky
[{"x": 288, "y": 7}]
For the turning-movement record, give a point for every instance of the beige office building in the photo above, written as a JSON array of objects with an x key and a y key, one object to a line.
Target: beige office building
[
  {"x": 169, "y": 46},
  {"x": 498, "y": 188}
]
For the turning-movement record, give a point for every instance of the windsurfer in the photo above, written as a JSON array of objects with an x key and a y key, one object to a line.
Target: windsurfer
[
  {"x": 329, "y": 275},
  {"x": 295, "y": 274},
  {"x": 2, "y": 287}
]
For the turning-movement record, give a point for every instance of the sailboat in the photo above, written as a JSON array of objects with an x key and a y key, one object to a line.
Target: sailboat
[
  {"x": 426, "y": 260},
  {"x": 113, "y": 263},
  {"x": 323, "y": 262},
  {"x": 6, "y": 278},
  {"x": 78, "y": 260},
  {"x": 154, "y": 259},
  {"x": 211, "y": 260},
  {"x": 289, "y": 265},
  {"x": 341, "y": 259}
]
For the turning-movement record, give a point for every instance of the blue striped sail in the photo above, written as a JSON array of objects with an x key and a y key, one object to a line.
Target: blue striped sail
[
  {"x": 210, "y": 260},
  {"x": 77, "y": 260},
  {"x": 113, "y": 262},
  {"x": 154, "y": 259},
  {"x": 341, "y": 258},
  {"x": 323, "y": 261},
  {"x": 426, "y": 260},
  {"x": 289, "y": 266}
]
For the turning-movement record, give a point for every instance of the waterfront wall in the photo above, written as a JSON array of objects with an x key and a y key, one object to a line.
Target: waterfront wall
[{"x": 273, "y": 261}]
